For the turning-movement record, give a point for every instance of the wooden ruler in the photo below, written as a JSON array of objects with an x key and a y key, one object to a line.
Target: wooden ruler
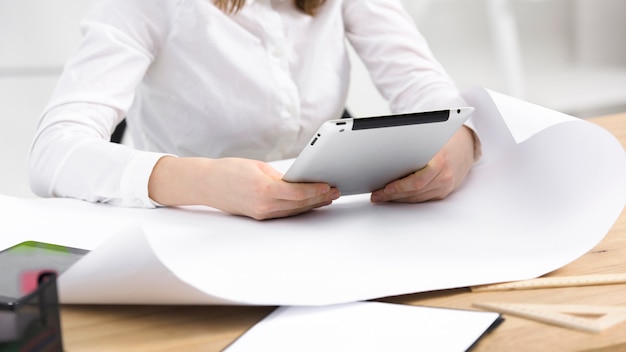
[
  {"x": 569, "y": 316},
  {"x": 557, "y": 281}
]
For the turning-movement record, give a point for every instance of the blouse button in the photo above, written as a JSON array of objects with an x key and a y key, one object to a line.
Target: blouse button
[{"x": 279, "y": 52}]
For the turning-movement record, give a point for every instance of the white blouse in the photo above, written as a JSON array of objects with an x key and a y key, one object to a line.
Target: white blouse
[{"x": 193, "y": 81}]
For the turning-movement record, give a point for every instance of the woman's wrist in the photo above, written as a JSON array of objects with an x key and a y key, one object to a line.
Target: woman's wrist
[{"x": 174, "y": 181}]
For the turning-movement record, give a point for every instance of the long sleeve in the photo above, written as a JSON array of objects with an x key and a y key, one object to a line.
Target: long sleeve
[
  {"x": 71, "y": 155},
  {"x": 397, "y": 56},
  {"x": 399, "y": 60}
]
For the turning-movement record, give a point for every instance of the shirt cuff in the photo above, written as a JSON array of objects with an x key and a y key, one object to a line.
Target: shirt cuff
[
  {"x": 134, "y": 183},
  {"x": 478, "y": 150}
]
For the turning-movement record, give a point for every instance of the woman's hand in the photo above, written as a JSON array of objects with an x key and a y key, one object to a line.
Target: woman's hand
[
  {"x": 237, "y": 186},
  {"x": 443, "y": 174}
]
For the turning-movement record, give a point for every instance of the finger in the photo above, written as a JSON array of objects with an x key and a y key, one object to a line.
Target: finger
[
  {"x": 306, "y": 209},
  {"x": 419, "y": 197},
  {"x": 416, "y": 183},
  {"x": 333, "y": 194},
  {"x": 435, "y": 190},
  {"x": 287, "y": 212},
  {"x": 271, "y": 207},
  {"x": 302, "y": 191},
  {"x": 413, "y": 182},
  {"x": 283, "y": 190}
]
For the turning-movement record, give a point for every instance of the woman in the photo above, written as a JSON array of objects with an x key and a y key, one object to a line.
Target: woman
[{"x": 212, "y": 90}]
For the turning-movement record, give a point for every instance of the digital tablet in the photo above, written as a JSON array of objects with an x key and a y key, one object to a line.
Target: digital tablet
[{"x": 361, "y": 155}]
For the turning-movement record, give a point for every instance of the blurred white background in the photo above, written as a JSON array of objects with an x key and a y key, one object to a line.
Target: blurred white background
[{"x": 568, "y": 55}]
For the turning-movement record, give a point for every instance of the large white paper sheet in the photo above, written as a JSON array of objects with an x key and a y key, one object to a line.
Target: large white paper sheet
[
  {"x": 548, "y": 188},
  {"x": 366, "y": 326}
]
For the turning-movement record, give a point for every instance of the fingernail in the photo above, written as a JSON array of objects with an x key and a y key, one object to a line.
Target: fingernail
[
  {"x": 376, "y": 198},
  {"x": 390, "y": 190}
]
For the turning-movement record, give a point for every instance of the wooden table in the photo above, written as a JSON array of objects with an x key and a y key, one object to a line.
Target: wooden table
[{"x": 212, "y": 328}]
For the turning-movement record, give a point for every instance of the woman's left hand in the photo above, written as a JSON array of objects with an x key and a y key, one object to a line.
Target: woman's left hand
[{"x": 443, "y": 174}]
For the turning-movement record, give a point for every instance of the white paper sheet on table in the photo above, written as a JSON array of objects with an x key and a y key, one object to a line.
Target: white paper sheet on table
[
  {"x": 366, "y": 326},
  {"x": 546, "y": 191}
]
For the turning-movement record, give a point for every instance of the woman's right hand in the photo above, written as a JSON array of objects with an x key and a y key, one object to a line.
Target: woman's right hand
[{"x": 237, "y": 186}]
